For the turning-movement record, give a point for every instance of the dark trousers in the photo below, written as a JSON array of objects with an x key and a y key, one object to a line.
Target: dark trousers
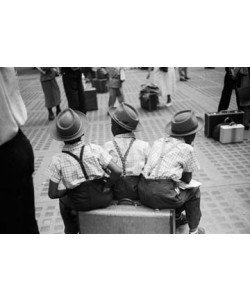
[
  {"x": 74, "y": 91},
  {"x": 69, "y": 216},
  {"x": 17, "y": 213},
  {"x": 115, "y": 93},
  {"x": 229, "y": 86},
  {"x": 191, "y": 199}
]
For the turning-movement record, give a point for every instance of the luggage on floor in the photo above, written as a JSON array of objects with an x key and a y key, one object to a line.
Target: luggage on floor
[
  {"x": 127, "y": 217},
  {"x": 90, "y": 99},
  {"x": 100, "y": 85},
  {"x": 214, "y": 118},
  {"x": 149, "y": 97},
  {"x": 232, "y": 133}
]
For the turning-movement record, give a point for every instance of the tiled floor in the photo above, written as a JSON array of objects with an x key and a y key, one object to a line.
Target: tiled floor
[{"x": 225, "y": 169}]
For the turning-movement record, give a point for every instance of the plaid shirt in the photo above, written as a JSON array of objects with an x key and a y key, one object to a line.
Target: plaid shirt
[
  {"x": 178, "y": 157},
  {"x": 66, "y": 169},
  {"x": 137, "y": 156}
]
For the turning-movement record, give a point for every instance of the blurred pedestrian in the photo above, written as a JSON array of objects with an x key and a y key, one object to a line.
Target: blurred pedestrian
[
  {"x": 183, "y": 73},
  {"x": 165, "y": 79},
  {"x": 17, "y": 213},
  {"x": 115, "y": 81},
  {"x": 128, "y": 152},
  {"x": 50, "y": 89},
  {"x": 73, "y": 86}
]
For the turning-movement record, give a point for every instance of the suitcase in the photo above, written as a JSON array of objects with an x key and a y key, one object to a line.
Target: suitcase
[
  {"x": 90, "y": 99},
  {"x": 214, "y": 118},
  {"x": 127, "y": 219},
  {"x": 149, "y": 101},
  {"x": 100, "y": 85},
  {"x": 231, "y": 133}
]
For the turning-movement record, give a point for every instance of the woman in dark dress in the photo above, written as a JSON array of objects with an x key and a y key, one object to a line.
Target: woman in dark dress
[{"x": 51, "y": 90}]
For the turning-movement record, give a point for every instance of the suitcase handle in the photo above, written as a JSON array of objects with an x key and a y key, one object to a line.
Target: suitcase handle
[{"x": 127, "y": 201}]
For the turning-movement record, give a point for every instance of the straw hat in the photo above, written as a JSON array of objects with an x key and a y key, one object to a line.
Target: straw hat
[
  {"x": 184, "y": 123},
  {"x": 126, "y": 116},
  {"x": 69, "y": 125}
]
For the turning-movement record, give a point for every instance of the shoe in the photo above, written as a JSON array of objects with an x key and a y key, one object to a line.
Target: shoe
[
  {"x": 51, "y": 116},
  {"x": 199, "y": 230},
  {"x": 187, "y": 78},
  {"x": 180, "y": 220},
  {"x": 182, "y": 79},
  {"x": 169, "y": 102}
]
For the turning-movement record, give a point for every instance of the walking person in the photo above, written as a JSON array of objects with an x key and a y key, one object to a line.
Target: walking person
[
  {"x": 115, "y": 81},
  {"x": 166, "y": 181},
  {"x": 17, "y": 213},
  {"x": 183, "y": 73},
  {"x": 165, "y": 79},
  {"x": 81, "y": 168},
  {"x": 51, "y": 90},
  {"x": 72, "y": 82},
  {"x": 128, "y": 152}
]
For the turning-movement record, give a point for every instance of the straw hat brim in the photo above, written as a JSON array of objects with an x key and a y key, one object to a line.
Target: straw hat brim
[
  {"x": 82, "y": 130},
  {"x": 111, "y": 113},
  {"x": 168, "y": 128}
]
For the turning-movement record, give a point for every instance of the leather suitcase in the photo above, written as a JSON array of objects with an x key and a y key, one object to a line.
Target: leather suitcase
[
  {"x": 127, "y": 219},
  {"x": 90, "y": 99},
  {"x": 100, "y": 85},
  {"x": 214, "y": 118}
]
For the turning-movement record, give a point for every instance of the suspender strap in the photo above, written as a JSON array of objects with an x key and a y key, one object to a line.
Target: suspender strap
[
  {"x": 79, "y": 160},
  {"x": 123, "y": 158},
  {"x": 158, "y": 163}
]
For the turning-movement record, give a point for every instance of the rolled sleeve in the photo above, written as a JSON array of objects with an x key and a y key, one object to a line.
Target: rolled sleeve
[
  {"x": 54, "y": 170},
  {"x": 192, "y": 163}
]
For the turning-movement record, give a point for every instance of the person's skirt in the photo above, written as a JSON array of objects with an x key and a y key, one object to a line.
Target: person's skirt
[{"x": 51, "y": 93}]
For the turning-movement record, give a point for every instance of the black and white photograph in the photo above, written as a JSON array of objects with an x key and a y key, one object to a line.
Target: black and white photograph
[
  {"x": 147, "y": 150},
  {"x": 121, "y": 179}
]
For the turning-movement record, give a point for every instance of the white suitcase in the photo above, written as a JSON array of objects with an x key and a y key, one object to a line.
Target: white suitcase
[{"x": 231, "y": 133}]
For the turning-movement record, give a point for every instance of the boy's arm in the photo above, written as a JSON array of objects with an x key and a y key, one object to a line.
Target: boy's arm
[
  {"x": 115, "y": 172},
  {"x": 54, "y": 192}
]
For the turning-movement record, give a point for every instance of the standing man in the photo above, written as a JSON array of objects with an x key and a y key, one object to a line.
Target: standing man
[
  {"x": 231, "y": 81},
  {"x": 17, "y": 213},
  {"x": 72, "y": 82}
]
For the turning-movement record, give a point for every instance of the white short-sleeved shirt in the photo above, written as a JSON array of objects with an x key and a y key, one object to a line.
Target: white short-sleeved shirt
[
  {"x": 178, "y": 157},
  {"x": 65, "y": 168},
  {"x": 13, "y": 112},
  {"x": 137, "y": 156}
]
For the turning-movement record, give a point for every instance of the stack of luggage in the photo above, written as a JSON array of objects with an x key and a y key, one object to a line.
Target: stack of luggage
[{"x": 149, "y": 96}]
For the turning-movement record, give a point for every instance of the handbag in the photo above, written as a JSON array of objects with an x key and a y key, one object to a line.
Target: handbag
[
  {"x": 91, "y": 194},
  {"x": 159, "y": 193}
]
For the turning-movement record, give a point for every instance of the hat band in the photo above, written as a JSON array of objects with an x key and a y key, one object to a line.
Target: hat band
[
  {"x": 184, "y": 130},
  {"x": 122, "y": 124}
]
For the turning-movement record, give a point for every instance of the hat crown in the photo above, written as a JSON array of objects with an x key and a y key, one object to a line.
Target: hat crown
[
  {"x": 68, "y": 124},
  {"x": 126, "y": 116},
  {"x": 184, "y": 122}
]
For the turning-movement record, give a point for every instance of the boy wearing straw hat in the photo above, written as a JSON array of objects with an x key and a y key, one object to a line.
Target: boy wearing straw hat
[
  {"x": 170, "y": 165},
  {"x": 128, "y": 152},
  {"x": 81, "y": 169}
]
